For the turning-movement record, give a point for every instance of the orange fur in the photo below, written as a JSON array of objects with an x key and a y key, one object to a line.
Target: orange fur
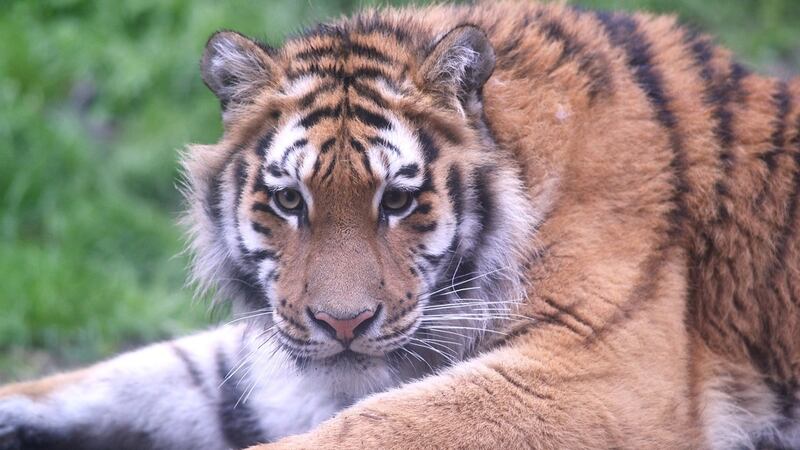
[
  {"x": 669, "y": 261},
  {"x": 42, "y": 388},
  {"x": 663, "y": 282}
]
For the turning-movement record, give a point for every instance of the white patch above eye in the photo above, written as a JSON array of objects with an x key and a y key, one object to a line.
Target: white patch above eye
[
  {"x": 396, "y": 159},
  {"x": 299, "y": 86},
  {"x": 387, "y": 89},
  {"x": 284, "y": 139},
  {"x": 287, "y": 162},
  {"x": 399, "y": 148}
]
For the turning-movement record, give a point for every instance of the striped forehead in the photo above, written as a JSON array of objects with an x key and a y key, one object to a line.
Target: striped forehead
[{"x": 295, "y": 153}]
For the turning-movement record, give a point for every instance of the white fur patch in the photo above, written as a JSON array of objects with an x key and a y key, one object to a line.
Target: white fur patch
[{"x": 749, "y": 419}]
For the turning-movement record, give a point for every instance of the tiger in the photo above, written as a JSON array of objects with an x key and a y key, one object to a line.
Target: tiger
[{"x": 497, "y": 225}]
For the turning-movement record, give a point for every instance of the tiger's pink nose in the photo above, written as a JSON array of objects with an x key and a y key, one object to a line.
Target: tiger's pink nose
[{"x": 344, "y": 330}]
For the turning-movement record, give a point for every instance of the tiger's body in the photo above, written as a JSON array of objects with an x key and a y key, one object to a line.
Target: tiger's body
[{"x": 577, "y": 229}]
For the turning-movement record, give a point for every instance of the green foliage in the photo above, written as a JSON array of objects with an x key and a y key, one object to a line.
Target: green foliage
[{"x": 96, "y": 97}]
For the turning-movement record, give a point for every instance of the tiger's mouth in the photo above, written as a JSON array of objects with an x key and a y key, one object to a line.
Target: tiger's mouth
[
  {"x": 374, "y": 342},
  {"x": 357, "y": 351}
]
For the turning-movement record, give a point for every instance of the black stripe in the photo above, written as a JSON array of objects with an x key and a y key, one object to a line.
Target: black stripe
[
  {"x": 264, "y": 143},
  {"x": 358, "y": 146},
  {"x": 433, "y": 259},
  {"x": 338, "y": 73},
  {"x": 484, "y": 203},
  {"x": 782, "y": 100},
  {"x": 191, "y": 368},
  {"x": 239, "y": 423},
  {"x": 370, "y": 118},
  {"x": 213, "y": 204},
  {"x": 422, "y": 209},
  {"x": 365, "y": 24},
  {"x": 308, "y": 98},
  {"x": 408, "y": 171},
  {"x": 246, "y": 286},
  {"x": 377, "y": 140},
  {"x": 717, "y": 94},
  {"x": 241, "y": 181},
  {"x": 370, "y": 94},
  {"x": 455, "y": 192},
  {"x": 369, "y": 73},
  {"x": 430, "y": 152},
  {"x": 260, "y": 255},
  {"x": 264, "y": 207},
  {"x": 259, "y": 185},
  {"x": 623, "y": 32},
  {"x": 297, "y": 145},
  {"x": 702, "y": 51},
  {"x": 298, "y": 164},
  {"x": 276, "y": 171},
  {"x": 508, "y": 53},
  {"x": 365, "y": 161},
  {"x": 261, "y": 229},
  {"x": 329, "y": 170},
  {"x": 594, "y": 66},
  {"x": 424, "y": 228},
  {"x": 327, "y": 145},
  {"x": 315, "y": 116},
  {"x": 328, "y": 49},
  {"x": 788, "y": 229},
  {"x": 427, "y": 183},
  {"x": 317, "y": 166},
  {"x": 368, "y": 51},
  {"x": 729, "y": 92},
  {"x": 375, "y": 24},
  {"x": 261, "y": 149}
]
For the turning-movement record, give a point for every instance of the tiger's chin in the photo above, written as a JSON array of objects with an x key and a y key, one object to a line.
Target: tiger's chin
[{"x": 350, "y": 375}]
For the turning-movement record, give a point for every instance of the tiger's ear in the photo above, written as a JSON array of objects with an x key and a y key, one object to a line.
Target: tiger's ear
[
  {"x": 459, "y": 65},
  {"x": 236, "y": 67}
]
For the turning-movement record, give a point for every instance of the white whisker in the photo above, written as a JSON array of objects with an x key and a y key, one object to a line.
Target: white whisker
[{"x": 482, "y": 330}]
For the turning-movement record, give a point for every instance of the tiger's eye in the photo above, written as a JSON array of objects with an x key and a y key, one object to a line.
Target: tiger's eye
[
  {"x": 395, "y": 201},
  {"x": 289, "y": 199}
]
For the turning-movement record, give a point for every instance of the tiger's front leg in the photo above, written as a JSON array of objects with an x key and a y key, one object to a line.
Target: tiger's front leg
[
  {"x": 537, "y": 395},
  {"x": 183, "y": 394}
]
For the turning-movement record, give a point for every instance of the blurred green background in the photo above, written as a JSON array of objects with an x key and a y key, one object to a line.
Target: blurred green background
[{"x": 97, "y": 96}]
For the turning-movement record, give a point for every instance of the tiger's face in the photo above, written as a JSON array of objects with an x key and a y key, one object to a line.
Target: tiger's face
[{"x": 356, "y": 197}]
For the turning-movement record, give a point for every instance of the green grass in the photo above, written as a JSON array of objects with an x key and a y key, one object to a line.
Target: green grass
[{"x": 96, "y": 97}]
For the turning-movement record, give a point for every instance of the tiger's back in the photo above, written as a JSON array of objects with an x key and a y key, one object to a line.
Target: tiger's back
[{"x": 722, "y": 147}]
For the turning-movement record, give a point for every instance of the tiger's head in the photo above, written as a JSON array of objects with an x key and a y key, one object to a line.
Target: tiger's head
[{"x": 357, "y": 204}]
